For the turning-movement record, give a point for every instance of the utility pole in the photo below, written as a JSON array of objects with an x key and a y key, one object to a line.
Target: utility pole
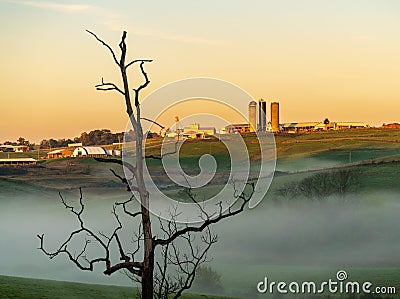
[{"x": 177, "y": 126}]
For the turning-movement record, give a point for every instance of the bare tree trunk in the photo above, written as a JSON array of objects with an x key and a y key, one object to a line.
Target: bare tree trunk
[{"x": 148, "y": 260}]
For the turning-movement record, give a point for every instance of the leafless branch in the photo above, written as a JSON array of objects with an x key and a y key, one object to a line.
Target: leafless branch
[
  {"x": 165, "y": 154},
  {"x": 137, "y": 60},
  {"x": 229, "y": 213},
  {"x": 179, "y": 263},
  {"x": 190, "y": 263},
  {"x": 154, "y": 122},
  {"x": 106, "y": 86},
  {"x": 124, "y": 203},
  {"x": 86, "y": 263},
  {"x": 106, "y": 45},
  {"x": 142, "y": 86},
  {"x": 129, "y": 166}
]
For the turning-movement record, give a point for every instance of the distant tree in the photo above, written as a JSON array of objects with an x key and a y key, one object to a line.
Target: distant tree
[
  {"x": 10, "y": 143},
  {"x": 307, "y": 188},
  {"x": 326, "y": 121},
  {"x": 95, "y": 137},
  {"x": 23, "y": 141},
  {"x": 118, "y": 137},
  {"x": 323, "y": 184},
  {"x": 288, "y": 191},
  {"x": 347, "y": 180},
  {"x": 207, "y": 280},
  {"x": 85, "y": 138},
  {"x": 52, "y": 143},
  {"x": 44, "y": 144}
]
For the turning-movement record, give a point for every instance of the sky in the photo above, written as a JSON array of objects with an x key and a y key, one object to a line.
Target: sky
[{"x": 318, "y": 58}]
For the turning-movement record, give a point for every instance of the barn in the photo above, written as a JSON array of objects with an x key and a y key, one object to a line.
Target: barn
[
  {"x": 60, "y": 153},
  {"x": 17, "y": 162},
  {"x": 89, "y": 151}
]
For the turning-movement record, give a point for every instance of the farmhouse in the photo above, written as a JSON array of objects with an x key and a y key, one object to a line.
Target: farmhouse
[
  {"x": 89, "y": 151},
  {"x": 17, "y": 162}
]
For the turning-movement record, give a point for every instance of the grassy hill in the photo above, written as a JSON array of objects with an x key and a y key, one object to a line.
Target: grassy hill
[
  {"x": 296, "y": 153},
  {"x": 374, "y": 154},
  {"x": 18, "y": 287}
]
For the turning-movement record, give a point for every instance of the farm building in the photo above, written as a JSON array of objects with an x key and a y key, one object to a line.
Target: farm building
[
  {"x": 60, "y": 153},
  {"x": 89, "y": 151},
  {"x": 299, "y": 127},
  {"x": 17, "y": 162},
  {"x": 391, "y": 126},
  {"x": 350, "y": 125},
  {"x": 324, "y": 127},
  {"x": 14, "y": 148},
  {"x": 195, "y": 131},
  {"x": 193, "y": 135},
  {"x": 115, "y": 153},
  {"x": 238, "y": 128},
  {"x": 75, "y": 144},
  {"x": 320, "y": 126}
]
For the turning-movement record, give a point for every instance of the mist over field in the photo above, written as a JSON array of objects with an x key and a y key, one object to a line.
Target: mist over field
[
  {"x": 360, "y": 232},
  {"x": 294, "y": 234}
]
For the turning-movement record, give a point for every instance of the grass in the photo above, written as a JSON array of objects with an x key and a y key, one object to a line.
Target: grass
[
  {"x": 292, "y": 145},
  {"x": 18, "y": 287},
  {"x": 379, "y": 149},
  {"x": 30, "y": 154},
  {"x": 296, "y": 153}
]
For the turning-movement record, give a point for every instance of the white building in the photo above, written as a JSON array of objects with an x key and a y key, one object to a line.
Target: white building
[{"x": 90, "y": 151}]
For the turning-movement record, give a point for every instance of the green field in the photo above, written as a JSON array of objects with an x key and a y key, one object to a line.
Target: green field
[
  {"x": 18, "y": 287},
  {"x": 373, "y": 154},
  {"x": 299, "y": 155}
]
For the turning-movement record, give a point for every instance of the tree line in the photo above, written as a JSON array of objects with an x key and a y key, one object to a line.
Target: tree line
[
  {"x": 321, "y": 185},
  {"x": 20, "y": 141},
  {"x": 95, "y": 137}
]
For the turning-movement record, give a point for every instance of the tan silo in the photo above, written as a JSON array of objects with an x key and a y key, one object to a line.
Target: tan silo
[
  {"x": 275, "y": 117},
  {"x": 253, "y": 116}
]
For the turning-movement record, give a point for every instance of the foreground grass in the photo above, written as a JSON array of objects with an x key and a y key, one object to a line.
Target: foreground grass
[{"x": 18, "y": 287}]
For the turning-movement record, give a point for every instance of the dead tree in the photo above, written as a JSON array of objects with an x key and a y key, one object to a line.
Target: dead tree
[{"x": 155, "y": 278}]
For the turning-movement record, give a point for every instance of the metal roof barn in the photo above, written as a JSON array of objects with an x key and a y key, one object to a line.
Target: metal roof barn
[
  {"x": 17, "y": 161},
  {"x": 89, "y": 151}
]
